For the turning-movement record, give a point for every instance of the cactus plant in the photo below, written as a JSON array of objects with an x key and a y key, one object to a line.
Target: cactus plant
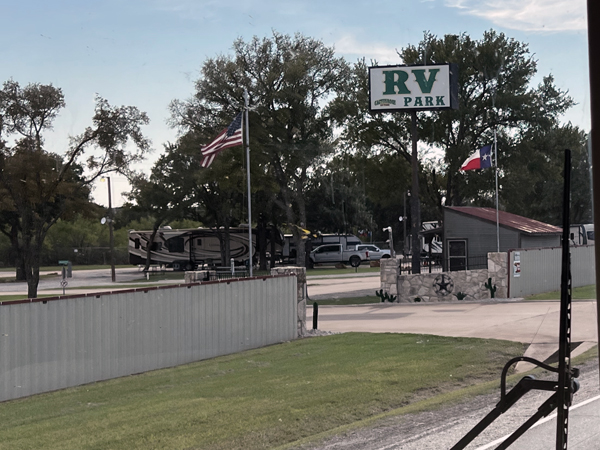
[
  {"x": 492, "y": 289},
  {"x": 460, "y": 295},
  {"x": 385, "y": 297}
]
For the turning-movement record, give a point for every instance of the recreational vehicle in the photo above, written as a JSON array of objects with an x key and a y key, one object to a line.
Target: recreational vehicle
[
  {"x": 186, "y": 249},
  {"x": 582, "y": 234}
]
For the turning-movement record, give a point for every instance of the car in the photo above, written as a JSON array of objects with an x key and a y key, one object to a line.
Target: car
[{"x": 375, "y": 253}]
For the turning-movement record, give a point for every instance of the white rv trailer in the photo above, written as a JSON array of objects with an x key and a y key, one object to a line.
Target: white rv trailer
[
  {"x": 583, "y": 234},
  {"x": 186, "y": 249}
]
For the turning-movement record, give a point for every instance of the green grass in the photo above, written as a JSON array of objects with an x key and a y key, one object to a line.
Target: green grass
[
  {"x": 579, "y": 293},
  {"x": 347, "y": 300},
  {"x": 258, "y": 399},
  {"x": 330, "y": 270}
]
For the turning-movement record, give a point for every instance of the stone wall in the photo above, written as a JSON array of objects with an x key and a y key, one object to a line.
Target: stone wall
[
  {"x": 300, "y": 273},
  {"x": 446, "y": 286},
  {"x": 498, "y": 272}
]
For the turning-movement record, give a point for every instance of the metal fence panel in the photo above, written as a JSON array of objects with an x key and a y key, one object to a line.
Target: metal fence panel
[
  {"x": 49, "y": 345},
  {"x": 539, "y": 270}
]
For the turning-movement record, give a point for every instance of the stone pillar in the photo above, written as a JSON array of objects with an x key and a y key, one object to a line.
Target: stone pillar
[
  {"x": 300, "y": 273},
  {"x": 498, "y": 272},
  {"x": 388, "y": 275}
]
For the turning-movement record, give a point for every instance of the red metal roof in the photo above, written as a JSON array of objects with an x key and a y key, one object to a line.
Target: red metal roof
[{"x": 508, "y": 220}]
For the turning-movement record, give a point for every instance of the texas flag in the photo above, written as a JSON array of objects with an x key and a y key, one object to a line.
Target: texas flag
[{"x": 481, "y": 159}]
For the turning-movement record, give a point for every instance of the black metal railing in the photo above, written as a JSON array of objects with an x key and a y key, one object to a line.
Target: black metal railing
[
  {"x": 457, "y": 263},
  {"x": 451, "y": 264}
]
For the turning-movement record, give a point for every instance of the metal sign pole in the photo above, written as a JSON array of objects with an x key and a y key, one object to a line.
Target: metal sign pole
[{"x": 250, "y": 245}]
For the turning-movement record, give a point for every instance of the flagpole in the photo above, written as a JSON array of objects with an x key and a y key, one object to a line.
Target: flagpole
[
  {"x": 250, "y": 245},
  {"x": 496, "y": 171}
]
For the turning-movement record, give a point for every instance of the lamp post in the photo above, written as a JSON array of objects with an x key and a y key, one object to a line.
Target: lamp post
[
  {"x": 389, "y": 230},
  {"x": 403, "y": 220},
  {"x": 110, "y": 228}
]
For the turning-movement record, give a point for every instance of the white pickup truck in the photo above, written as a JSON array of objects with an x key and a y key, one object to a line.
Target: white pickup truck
[
  {"x": 375, "y": 253},
  {"x": 335, "y": 253}
]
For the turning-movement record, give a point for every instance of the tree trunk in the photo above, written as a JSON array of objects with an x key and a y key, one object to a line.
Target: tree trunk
[
  {"x": 32, "y": 267},
  {"x": 274, "y": 234},
  {"x": 262, "y": 243},
  {"x": 149, "y": 248},
  {"x": 33, "y": 280},
  {"x": 16, "y": 256}
]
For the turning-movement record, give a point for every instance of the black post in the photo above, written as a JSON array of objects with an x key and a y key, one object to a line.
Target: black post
[
  {"x": 415, "y": 204},
  {"x": 593, "y": 14},
  {"x": 315, "y": 315},
  {"x": 564, "y": 391}
]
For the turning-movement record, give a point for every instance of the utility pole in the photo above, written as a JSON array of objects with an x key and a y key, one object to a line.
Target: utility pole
[
  {"x": 110, "y": 219},
  {"x": 415, "y": 206},
  {"x": 404, "y": 218}
]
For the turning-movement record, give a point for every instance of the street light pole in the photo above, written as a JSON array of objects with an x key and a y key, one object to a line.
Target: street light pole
[
  {"x": 404, "y": 222},
  {"x": 112, "y": 237}
]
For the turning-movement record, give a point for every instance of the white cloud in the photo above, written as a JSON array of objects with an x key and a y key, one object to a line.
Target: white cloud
[
  {"x": 528, "y": 15},
  {"x": 348, "y": 46}
]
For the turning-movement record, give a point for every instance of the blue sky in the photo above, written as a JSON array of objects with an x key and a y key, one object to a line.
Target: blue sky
[{"x": 146, "y": 53}]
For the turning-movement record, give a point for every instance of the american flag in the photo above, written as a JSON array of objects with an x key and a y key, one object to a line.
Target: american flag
[{"x": 229, "y": 137}]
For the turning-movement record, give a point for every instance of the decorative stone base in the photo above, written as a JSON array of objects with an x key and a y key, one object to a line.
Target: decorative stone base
[{"x": 446, "y": 286}]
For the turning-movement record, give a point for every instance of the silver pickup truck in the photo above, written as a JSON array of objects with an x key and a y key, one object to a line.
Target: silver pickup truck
[{"x": 334, "y": 253}]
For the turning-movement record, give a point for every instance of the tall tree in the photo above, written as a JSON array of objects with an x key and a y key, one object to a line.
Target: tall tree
[
  {"x": 290, "y": 81},
  {"x": 39, "y": 187},
  {"x": 495, "y": 93},
  {"x": 164, "y": 195}
]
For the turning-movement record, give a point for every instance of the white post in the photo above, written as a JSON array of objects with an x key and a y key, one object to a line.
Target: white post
[{"x": 250, "y": 245}]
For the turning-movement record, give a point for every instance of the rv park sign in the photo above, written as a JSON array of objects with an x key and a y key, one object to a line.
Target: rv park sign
[{"x": 413, "y": 88}]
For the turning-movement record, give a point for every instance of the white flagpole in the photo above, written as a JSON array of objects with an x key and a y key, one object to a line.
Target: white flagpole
[
  {"x": 496, "y": 170},
  {"x": 250, "y": 245}
]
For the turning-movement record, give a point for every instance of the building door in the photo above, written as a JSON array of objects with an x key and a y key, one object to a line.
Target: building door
[{"x": 457, "y": 254}]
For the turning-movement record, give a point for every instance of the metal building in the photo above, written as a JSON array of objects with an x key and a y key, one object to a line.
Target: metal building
[{"x": 470, "y": 234}]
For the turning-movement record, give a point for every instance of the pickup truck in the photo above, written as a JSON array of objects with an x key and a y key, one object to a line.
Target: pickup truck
[
  {"x": 375, "y": 253},
  {"x": 335, "y": 253}
]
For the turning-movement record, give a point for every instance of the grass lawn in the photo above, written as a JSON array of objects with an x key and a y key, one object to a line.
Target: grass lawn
[
  {"x": 331, "y": 270},
  {"x": 579, "y": 293},
  {"x": 258, "y": 399}
]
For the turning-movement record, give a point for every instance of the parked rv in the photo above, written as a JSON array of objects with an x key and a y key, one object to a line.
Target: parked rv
[
  {"x": 335, "y": 253},
  {"x": 582, "y": 234},
  {"x": 186, "y": 249}
]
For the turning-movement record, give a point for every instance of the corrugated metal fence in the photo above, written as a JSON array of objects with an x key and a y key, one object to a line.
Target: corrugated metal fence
[
  {"x": 57, "y": 343},
  {"x": 533, "y": 271}
]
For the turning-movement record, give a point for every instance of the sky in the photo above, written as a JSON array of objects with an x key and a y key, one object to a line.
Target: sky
[{"x": 146, "y": 53}]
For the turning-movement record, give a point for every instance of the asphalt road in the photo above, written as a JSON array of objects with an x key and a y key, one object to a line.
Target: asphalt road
[{"x": 82, "y": 280}]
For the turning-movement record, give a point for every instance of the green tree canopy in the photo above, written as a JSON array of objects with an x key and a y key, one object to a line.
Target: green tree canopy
[
  {"x": 289, "y": 80},
  {"x": 38, "y": 187}
]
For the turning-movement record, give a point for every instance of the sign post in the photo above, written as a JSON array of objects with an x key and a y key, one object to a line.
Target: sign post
[{"x": 412, "y": 89}]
